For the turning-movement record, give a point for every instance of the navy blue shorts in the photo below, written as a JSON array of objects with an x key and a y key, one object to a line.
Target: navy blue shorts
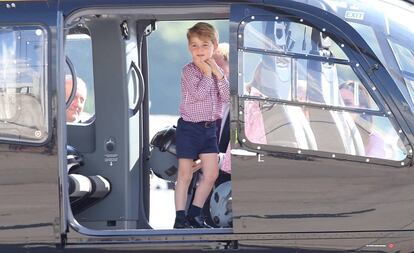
[{"x": 193, "y": 139}]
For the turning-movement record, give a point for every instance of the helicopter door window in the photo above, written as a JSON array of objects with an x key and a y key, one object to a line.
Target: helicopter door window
[
  {"x": 23, "y": 84},
  {"x": 78, "y": 49},
  {"x": 280, "y": 80}
]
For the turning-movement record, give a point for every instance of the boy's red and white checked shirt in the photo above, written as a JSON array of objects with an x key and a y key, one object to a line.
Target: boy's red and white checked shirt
[{"x": 202, "y": 96}]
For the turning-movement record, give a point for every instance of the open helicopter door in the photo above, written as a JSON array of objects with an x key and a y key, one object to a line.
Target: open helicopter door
[
  {"x": 278, "y": 186},
  {"x": 29, "y": 32}
]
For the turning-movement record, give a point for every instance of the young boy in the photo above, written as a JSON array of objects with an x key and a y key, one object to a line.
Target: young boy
[{"x": 203, "y": 88}]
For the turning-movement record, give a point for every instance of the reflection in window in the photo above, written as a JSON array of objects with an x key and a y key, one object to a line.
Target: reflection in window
[
  {"x": 322, "y": 130},
  {"x": 23, "y": 85},
  {"x": 304, "y": 80},
  {"x": 271, "y": 75},
  {"x": 404, "y": 56},
  {"x": 368, "y": 33},
  {"x": 273, "y": 70},
  {"x": 405, "y": 60},
  {"x": 354, "y": 94},
  {"x": 401, "y": 48},
  {"x": 253, "y": 120},
  {"x": 288, "y": 36}
]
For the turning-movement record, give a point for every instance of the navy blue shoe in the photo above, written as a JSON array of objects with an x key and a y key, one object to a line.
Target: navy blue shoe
[
  {"x": 182, "y": 224},
  {"x": 198, "y": 222}
]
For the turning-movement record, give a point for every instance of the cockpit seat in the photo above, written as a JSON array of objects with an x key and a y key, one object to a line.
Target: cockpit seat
[
  {"x": 164, "y": 140},
  {"x": 163, "y": 160}
]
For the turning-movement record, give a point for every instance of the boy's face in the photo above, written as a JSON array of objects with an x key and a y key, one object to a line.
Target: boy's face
[{"x": 201, "y": 49}]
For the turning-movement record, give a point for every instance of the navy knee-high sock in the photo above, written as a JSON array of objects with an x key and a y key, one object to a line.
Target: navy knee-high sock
[
  {"x": 194, "y": 211},
  {"x": 180, "y": 215}
]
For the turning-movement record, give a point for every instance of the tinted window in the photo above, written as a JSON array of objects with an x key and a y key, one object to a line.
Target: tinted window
[
  {"x": 339, "y": 132},
  {"x": 330, "y": 108},
  {"x": 23, "y": 84},
  {"x": 312, "y": 81}
]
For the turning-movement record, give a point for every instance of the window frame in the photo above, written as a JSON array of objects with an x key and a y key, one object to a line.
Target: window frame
[
  {"x": 350, "y": 62},
  {"x": 365, "y": 78},
  {"x": 90, "y": 86},
  {"x": 45, "y": 89}
]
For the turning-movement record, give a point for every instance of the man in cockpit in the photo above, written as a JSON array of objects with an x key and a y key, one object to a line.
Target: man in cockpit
[{"x": 75, "y": 111}]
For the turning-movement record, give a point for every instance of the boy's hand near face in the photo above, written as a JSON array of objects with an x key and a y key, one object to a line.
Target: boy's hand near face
[
  {"x": 215, "y": 69},
  {"x": 205, "y": 68}
]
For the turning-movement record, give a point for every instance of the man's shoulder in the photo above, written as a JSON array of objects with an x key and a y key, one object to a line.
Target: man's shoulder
[{"x": 86, "y": 118}]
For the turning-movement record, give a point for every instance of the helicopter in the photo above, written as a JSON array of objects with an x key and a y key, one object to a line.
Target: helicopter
[{"x": 319, "y": 128}]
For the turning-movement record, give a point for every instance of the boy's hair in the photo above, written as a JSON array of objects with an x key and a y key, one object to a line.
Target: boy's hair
[{"x": 203, "y": 30}]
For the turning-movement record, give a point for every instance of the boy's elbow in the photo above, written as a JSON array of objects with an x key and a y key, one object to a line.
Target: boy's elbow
[{"x": 225, "y": 99}]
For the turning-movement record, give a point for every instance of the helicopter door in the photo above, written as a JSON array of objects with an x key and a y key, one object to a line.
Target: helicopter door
[
  {"x": 28, "y": 145},
  {"x": 313, "y": 168}
]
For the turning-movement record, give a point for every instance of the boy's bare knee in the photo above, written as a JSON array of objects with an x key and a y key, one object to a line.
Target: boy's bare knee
[
  {"x": 211, "y": 177},
  {"x": 185, "y": 177}
]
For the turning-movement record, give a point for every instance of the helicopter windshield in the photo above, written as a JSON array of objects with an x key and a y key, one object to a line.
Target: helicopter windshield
[{"x": 388, "y": 35}]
